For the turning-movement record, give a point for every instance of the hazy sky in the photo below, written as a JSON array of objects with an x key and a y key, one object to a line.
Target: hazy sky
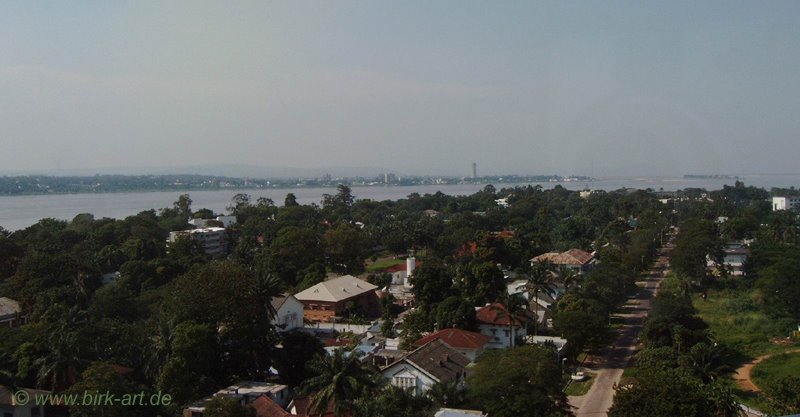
[{"x": 419, "y": 87}]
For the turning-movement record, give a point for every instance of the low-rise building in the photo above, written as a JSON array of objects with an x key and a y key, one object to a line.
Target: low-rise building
[
  {"x": 338, "y": 297},
  {"x": 10, "y": 313},
  {"x": 288, "y": 313},
  {"x": 454, "y": 412},
  {"x": 578, "y": 260},
  {"x": 11, "y": 407},
  {"x": 213, "y": 239},
  {"x": 786, "y": 203},
  {"x": 425, "y": 366},
  {"x": 493, "y": 321},
  {"x": 469, "y": 344},
  {"x": 734, "y": 256},
  {"x": 246, "y": 392}
]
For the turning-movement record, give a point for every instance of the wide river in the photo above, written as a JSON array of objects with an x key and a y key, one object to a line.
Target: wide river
[{"x": 18, "y": 212}]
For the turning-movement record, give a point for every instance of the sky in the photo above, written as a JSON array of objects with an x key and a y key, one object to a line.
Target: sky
[{"x": 611, "y": 88}]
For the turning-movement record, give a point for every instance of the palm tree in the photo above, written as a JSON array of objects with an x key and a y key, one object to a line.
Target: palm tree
[
  {"x": 340, "y": 380},
  {"x": 512, "y": 306},
  {"x": 266, "y": 287},
  {"x": 447, "y": 394},
  {"x": 567, "y": 277},
  {"x": 540, "y": 280},
  {"x": 60, "y": 365},
  {"x": 708, "y": 362}
]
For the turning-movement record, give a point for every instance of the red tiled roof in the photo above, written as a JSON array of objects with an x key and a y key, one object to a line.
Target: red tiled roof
[
  {"x": 401, "y": 267},
  {"x": 456, "y": 338},
  {"x": 496, "y": 314},
  {"x": 265, "y": 407}
]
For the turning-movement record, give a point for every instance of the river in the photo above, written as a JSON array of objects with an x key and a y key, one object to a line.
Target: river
[{"x": 18, "y": 212}]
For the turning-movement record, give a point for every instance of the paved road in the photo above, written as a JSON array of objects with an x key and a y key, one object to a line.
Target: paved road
[{"x": 609, "y": 363}]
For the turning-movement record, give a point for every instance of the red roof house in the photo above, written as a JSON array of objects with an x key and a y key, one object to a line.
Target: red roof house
[{"x": 470, "y": 344}]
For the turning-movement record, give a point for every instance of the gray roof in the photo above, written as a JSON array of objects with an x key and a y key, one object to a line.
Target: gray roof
[
  {"x": 335, "y": 290},
  {"x": 439, "y": 360}
]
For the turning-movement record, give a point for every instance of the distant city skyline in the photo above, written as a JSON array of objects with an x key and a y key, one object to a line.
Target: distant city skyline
[{"x": 616, "y": 88}]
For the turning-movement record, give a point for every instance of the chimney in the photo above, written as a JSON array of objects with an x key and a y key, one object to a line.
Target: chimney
[{"x": 411, "y": 264}]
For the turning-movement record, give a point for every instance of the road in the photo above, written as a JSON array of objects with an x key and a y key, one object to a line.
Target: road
[{"x": 609, "y": 363}]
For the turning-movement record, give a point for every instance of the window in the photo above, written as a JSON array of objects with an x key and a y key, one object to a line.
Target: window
[{"x": 405, "y": 382}]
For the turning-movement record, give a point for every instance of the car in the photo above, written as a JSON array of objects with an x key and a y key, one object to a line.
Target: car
[{"x": 578, "y": 376}]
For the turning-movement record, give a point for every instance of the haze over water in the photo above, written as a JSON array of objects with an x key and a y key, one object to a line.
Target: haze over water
[{"x": 18, "y": 212}]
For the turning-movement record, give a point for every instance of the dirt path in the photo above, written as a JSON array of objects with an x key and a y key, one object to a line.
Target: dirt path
[{"x": 742, "y": 375}]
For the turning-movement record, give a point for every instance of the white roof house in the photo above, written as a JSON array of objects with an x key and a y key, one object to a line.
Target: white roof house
[
  {"x": 453, "y": 412},
  {"x": 335, "y": 290}
]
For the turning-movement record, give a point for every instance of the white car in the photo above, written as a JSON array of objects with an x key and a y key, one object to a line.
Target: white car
[{"x": 578, "y": 376}]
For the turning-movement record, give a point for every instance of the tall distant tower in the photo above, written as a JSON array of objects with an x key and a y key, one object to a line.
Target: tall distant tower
[{"x": 474, "y": 171}]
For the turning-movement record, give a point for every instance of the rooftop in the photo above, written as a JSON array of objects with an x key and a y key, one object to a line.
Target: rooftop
[
  {"x": 570, "y": 257},
  {"x": 8, "y": 307},
  {"x": 335, "y": 290},
  {"x": 496, "y": 314},
  {"x": 456, "y": 338},
  {"x": 438, "y": 360}
]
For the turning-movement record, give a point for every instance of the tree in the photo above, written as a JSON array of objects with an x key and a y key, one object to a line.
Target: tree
[
  {"x": 345, "y": 247},
  {"x": 62, "y": 361},
  {"x": 394, "y": 402},
  {"x": 581, "y": 329},
  {"x": 519, "y": 382},
  {"x": 339, "y": 380},
  {"x": 447, "y": 394},
  {"x": 227, "y": 407},
  {"x": 431, "y": 282},
  {"x": 784, "y": 394},
  {"x": 480, "y": 282},
  {"x": 540, "y": 280},
  {"x": 183, "y": 206},
  {"x": 567, "y": 277},
  {"x": 708, "y": 362},
  {"x": 514, "y": 307},
  {"x": 98, "y": 378},
  {"x": 290, "y": 200},
  {"x": 456, "y": 312},
  {"x": 193, "y": 367},
  {"x": 297, "y": 350},
  {"x": 670, "y": 393}
]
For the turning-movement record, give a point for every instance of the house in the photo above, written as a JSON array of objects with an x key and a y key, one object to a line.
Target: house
[
  {"x": 469, "y": 344},
  {"x": 786, "y": 203},
  {"x": 578, "y": 260},
  {"x": 427, "y": 365},
  {"x": 338, "y": 297},
  {"x": 10, "y": 406},
  {"x": 493, "y": 321},
  {"x": 544, "y": 300},
  {"x": 266, "y": 407},
  {"x": 288, "y": 312},
  {"x": 559, "y": 342},
  {"x": 10, "y": 313},
  {"x": 246, "y": 392},
  {"x": 401, "y": 273},
  {"x": 734, "y": 256},
  {"x": 213, "y": 239},
  {"x": 453, "y": 412}
]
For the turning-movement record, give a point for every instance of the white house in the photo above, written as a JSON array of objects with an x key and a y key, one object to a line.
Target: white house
[
  {"x": 493, "y": 321},
  {"x": 786, "y": 203},
  {"x": 213, "y": 239},
  {"x": 246, "y": 392},
  {"x": 423, "y": 367},
  {"x": 578, "y": 260},
  {"x": 288, "y": 313},
  {"x": 9, "y": 406}
]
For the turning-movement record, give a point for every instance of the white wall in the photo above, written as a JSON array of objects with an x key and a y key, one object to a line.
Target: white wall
[
  {"x": 422, "y": 382},
  {"x": 290, "y": 314}
]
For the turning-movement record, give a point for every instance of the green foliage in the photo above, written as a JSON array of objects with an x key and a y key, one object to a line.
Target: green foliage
[
  {"x": 519, "y": 382},
  {"x": 456, "y": 312},
  {"x": 669, "y": 394},
  {"x": 340, "y": 380},
  {"x": 100, "y": 378},
  {"x": 394, "y": 402},
  {"x": 432, "y": 282},
  {"x": 297, "y": 349}
]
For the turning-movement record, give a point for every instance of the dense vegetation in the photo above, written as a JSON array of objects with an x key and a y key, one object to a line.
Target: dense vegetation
[
  {"x": 188, "y": 324},
  {"x": 683, "y": 368}
]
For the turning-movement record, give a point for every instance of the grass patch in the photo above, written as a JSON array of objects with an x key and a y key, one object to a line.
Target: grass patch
[
  {"x": 771, "y": 370},
  {"x": 576, "y": 388},
  {"x": 383, "y": 263},
  {"x": 738, "y": 322}
]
